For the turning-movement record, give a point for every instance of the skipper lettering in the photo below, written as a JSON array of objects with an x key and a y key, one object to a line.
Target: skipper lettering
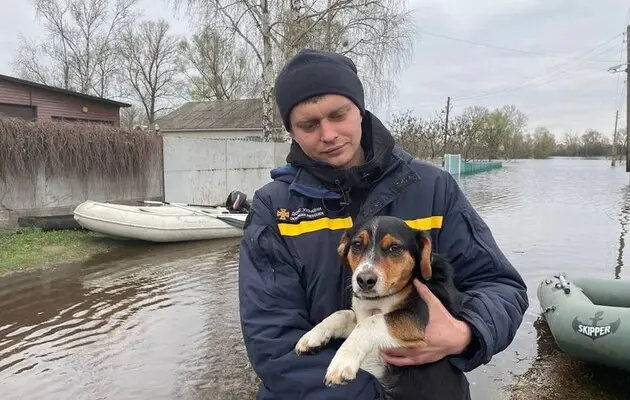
[{"x": 306, "y": 214}]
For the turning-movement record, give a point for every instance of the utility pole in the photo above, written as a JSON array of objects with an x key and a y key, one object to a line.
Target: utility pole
[
  {"x": 627, "y": 98},
  {"x": 614, "y": 144},
  {"x": 448, "y": 108},
  {"x": 616, "y": 69}
]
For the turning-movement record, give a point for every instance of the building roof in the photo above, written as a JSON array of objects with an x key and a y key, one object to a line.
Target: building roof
[
  {"x": 60, "y": 90},
  {"x": 217, "y": 115}
]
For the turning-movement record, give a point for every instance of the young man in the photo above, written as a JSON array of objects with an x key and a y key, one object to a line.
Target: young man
[{"x": 344, "y": 166}]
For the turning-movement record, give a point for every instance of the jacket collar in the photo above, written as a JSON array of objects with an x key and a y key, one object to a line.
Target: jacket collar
[{"x": 302, "y": 182}]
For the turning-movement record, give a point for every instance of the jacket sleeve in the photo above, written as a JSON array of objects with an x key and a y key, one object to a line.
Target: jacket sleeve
[
  {"x": 495, "y": 295},
  {"x": 274, "y": 315}
]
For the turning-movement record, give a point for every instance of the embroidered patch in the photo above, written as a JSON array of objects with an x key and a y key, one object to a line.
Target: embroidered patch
[
  {"x": 282, "y": 214},
  {"x": 301, "y": 214}
]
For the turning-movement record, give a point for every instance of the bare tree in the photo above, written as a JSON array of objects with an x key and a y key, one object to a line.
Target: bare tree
[
  {"x": 80, "y": 50},
  {"x": 406, "y": 129},
  {"x": 517, "y": 121},
  {"x": 377, "y": 34},
  {"x": 133, "y": 117},
  {"x": 149, "y": 57},
  {"x": 218, "y": 66}
]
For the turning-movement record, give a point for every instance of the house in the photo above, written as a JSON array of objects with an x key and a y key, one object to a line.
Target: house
[
  {"x": 219, "y": 119},
  {"x": 37, "y": 102}
]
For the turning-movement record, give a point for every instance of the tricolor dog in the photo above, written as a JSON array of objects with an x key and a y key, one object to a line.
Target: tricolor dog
[{"x": 385, "y": 255}]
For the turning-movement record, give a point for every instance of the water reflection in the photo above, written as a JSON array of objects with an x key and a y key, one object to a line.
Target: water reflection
[
  {"x": 160, "y": 323},
  {"x": 493, "y": 190},
  {"x": 624, "y": 217}
]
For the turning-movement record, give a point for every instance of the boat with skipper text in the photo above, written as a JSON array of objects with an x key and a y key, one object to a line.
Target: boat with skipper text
[{"x": 589, "y": 317}]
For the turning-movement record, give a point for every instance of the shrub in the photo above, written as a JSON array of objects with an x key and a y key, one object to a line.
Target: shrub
[{"x": 73, "y": 148}]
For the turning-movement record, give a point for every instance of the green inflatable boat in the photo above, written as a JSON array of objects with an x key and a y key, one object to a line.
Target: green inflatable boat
[{"x": 589, "y": 318}]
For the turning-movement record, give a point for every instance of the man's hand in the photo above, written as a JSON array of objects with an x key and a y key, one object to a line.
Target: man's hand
[{"x": 445, "y": 335}]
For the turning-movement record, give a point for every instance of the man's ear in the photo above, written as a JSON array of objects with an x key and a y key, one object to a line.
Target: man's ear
[
  {"x": 342, "y": 249},
  {"x": 424, "y": 253}
]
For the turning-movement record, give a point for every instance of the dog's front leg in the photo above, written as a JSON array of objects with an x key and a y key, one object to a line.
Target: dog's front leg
[
  {"x": 337, "y": 325},
  {"x": 369, "y": 334}
]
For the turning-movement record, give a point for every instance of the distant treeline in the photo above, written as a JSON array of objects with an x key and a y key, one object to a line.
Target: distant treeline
[{"x": 502, "y": 133}]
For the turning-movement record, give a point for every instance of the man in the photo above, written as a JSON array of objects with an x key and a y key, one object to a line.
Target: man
[{"x": 343, "y": 166}]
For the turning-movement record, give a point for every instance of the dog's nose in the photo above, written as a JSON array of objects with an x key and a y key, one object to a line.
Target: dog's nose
[{"x": 366, "y": 280}]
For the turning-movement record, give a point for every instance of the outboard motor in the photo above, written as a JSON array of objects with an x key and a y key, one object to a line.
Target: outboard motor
[{"x": 237, "y": 202}]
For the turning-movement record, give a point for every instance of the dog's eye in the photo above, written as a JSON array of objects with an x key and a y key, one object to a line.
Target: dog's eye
[
  {"x": 394, "y": 248},
  {"x": 357, "y": 245}
]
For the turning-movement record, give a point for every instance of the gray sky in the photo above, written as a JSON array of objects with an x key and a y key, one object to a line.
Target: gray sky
[{"x": 530, "y": 53}]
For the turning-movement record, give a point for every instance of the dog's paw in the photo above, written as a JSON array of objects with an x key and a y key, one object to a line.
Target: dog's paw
[
  {"x": 312, "y": 341},
  {"x": 341, "y": 370}
]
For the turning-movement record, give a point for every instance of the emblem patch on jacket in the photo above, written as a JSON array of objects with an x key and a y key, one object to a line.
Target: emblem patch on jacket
[{"x": 301, "y": 214}]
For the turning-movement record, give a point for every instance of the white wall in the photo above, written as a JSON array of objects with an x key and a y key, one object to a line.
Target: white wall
[
  {"x": 217, "y": 134},
  {"x": 202, "y": 170},
  {"x": 45, "y": 195}
]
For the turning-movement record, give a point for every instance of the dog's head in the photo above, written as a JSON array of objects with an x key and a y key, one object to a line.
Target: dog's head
[{"x": 385, "y": 254}]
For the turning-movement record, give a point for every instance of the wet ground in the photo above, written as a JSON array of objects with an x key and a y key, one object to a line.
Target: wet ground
[{"x": 161, "y": 321}]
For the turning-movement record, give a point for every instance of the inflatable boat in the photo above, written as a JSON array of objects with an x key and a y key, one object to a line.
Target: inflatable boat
[
  {"x": 157, "y": 221},
  {"x": 589, "y": 318}
]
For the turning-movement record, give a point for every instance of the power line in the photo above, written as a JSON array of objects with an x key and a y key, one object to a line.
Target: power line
[
  {"x": 528, "y": 82},
  {"x": 491, "y": 46},
  {"x": 524, "y": 83}
]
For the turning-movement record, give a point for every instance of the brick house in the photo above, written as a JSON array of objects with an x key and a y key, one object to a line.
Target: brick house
[{"x": 35, "y": 101}]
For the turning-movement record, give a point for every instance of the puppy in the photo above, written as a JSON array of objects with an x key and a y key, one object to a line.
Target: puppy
[{"x": 385, "y": 255}]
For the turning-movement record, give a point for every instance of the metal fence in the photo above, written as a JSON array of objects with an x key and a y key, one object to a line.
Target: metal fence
[{"x": 454, "y": 165}]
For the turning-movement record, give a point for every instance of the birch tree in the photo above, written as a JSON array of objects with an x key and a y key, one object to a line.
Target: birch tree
[
  {"x": 376, "y": 34},
  {"x": 149, "y": 61},
  {"x": 79, "y": 52},
  {"x": 217, "y": 66}
]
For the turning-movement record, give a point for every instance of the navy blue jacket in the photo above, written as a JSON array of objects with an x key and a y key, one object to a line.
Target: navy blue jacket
[{"x": 290, "y": 277}]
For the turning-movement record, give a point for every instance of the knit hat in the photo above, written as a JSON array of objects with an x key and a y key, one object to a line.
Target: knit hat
[{"x": 312, "y": 73}]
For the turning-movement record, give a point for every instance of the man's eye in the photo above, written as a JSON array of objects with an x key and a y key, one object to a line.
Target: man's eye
[{"x": 337, "y": 117}]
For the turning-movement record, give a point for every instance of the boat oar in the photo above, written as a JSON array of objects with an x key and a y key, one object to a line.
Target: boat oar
[
  {"x": 176, "y": 204},
  {"x": 225, "y": 218},
  {"x": 237, "y": 223},
  {"x": 179, "y": 205}
]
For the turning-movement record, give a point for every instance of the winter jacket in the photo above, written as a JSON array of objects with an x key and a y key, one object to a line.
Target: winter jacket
[{"x": 290, "y": 277}]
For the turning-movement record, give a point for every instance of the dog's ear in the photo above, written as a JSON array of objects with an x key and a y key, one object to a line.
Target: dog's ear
[
  {"x": 342, "y": 249},
  {"x": 424, "y": 253}
]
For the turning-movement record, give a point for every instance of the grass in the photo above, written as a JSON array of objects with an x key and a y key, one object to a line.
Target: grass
[{"x": 26, "y": 248}]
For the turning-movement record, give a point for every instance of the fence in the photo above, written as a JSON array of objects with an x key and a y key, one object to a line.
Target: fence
[
  {"x": 203, "y": 170},
  {"x": 453, "y": 164}
]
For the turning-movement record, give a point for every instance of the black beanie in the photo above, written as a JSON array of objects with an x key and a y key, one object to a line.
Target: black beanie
[{"x": 312, "y": 73}]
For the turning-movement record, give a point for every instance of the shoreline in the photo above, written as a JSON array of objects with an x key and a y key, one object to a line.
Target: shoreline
[
  {"x": 555, "y": 376},
  {"x": 30, "y": 248}
]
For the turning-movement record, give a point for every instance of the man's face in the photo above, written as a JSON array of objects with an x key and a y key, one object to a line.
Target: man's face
[{"x": 328, "y": 129}]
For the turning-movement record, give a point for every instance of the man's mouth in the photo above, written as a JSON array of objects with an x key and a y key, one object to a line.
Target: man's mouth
[{"x": 334, "y": 149}]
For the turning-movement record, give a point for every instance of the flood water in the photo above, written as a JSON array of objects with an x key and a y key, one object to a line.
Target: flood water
[{"x": 161, "y": 321}]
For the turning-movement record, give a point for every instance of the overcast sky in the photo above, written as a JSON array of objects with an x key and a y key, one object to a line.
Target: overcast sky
[{"x": 547, "y": 57}]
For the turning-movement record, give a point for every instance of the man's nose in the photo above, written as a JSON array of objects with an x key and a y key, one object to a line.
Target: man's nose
[{"x": 329, "y": 134}]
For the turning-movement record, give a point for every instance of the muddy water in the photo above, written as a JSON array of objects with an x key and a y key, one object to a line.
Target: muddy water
[{"x": 161, "y": 322}]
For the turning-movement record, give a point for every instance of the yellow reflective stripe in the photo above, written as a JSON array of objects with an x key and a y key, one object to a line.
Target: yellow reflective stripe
[
  {"x": 427, "y": 223},
  {"x": 315, "y": 225},
  {"x": 303, "y": 227}
]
